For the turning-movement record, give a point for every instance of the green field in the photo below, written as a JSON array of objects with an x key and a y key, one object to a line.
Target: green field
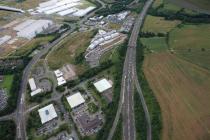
[
  {"x": 158, "y": 24},
  {"x": 155, "y": 44},
  {"x": 180, "y": 78},
  {"x": 192, "y": 43},
  {"x": 202, "y": 4},
  {"x": 7, "y": 82}
]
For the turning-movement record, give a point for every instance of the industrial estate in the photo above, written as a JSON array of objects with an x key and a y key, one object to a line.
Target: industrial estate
[{"x": 104, "y": 70}]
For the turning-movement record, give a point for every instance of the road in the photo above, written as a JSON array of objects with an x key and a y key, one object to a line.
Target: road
[
  {"x": 129, "y": 78},
  {"x": 6, "y": 8},
  {"x": 20, "y": 113}
]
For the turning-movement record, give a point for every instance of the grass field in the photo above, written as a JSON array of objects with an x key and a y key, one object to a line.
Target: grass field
[
  {"x": 7, "y": 82},
  {"x": 192, "y": 43},
  {"x": 180, "y": 80},
  {"x": 69, "y": 49},
  {"x": 203, "y": 4},
  {"x": 158, "y": 24},
  {"x": 155, "y": 44}
]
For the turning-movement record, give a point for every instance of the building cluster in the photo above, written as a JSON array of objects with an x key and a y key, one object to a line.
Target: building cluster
[
  {"x": 62, "y": 8},
  {"x": 87, "y": 123},
  {"x": 64, "y": 74},
  {"x": 102, "y": 38},
  {"x": 95, "y": 21},
  {"x": 34, "y": 89},
  {"x": 60, "y": 78},
  {"x": 127, "y": 24},
  {"x": 118, "y": 18}
]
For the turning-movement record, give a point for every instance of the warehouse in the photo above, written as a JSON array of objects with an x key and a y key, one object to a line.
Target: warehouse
[
  {"x": 102, "y": 85},
  {"x": 23, "y": 25},
  {"x": 75, "y": 100},
  {"x": 67, "y": 12},
  {"x": 64, "y": 7},
  {"x": 47, "y": 113},
  {"x": 61, "y": 8},
  {"x": 30, "y": 28},
  {"x": 82, "y": 12}
]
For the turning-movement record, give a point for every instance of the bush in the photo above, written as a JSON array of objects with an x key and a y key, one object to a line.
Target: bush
[{"x": 7, "y": 130}]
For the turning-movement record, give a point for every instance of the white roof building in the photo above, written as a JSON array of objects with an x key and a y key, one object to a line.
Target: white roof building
[
  {"x": 4, "y": 39},
  {"x": 32, "y": 84},
  {"x": 102, "y": 85},
  {"x": 35, "y": 92},
  {"x": 47, "y": 113},
  {"x": 75, "y": 100},
  {"x": 30, "y": 28},
  {"x": 58, "y": 73},
  {"x": 83, "y": 12},
  {"x": 61, "y": 81}
]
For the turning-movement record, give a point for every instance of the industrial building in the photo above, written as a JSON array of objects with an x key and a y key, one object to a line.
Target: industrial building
[
  {"x": 47, "y": 113},
  {"x": 102, "y": 38},
  {"x": 102, "y": 85},
  {"x": 4, "y": 39},
  {"x": 30, "y": 28},
  {"x": 75, "y": 100},
  {"x": 118, "y": 18},
  {"x": 63, "y": 8}
]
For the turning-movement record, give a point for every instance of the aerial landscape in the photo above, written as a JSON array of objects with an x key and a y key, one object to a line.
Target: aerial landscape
[{"x": 104, "y": 70}]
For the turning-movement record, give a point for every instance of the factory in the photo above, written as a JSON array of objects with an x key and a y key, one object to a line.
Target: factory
[
  {"x": 102, "y": 38},
  {"x": 62, "y": 8},
  {"x": 30, "y": 28}
]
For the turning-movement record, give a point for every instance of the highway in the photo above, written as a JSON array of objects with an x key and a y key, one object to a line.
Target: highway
[{"x": 129, "y": 79}]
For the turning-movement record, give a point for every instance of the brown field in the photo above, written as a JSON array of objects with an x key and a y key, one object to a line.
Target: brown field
[
  {"x": 183, "y": 92},
  {"x": 66, "y": 52}
]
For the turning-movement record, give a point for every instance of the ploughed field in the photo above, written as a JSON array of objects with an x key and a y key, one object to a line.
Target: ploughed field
[{"x": 177, "y": 68}]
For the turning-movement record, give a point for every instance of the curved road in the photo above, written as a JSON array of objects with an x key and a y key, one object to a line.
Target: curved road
[
  {"x": 127, "y": 86},
  {"x": 20, "y": 113}
]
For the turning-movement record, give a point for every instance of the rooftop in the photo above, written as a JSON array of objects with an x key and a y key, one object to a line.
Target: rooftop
[
  {"x": 75, "y": 100},
  {"x": 47, "y": 113},
  {"x": 102, "y": 85}
]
